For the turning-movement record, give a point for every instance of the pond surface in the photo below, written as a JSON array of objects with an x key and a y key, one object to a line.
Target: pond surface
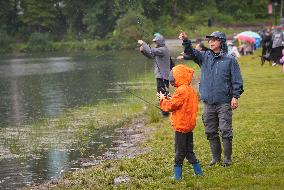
[
  {"x": 46, "y": 85},
  {"x": 40, "y": 86}
]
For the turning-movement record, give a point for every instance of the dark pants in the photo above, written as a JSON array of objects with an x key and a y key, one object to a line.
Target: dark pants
[
  {"x": 162, "y": 86},
  {"x": 276, "y": 54},
  {"x": 184, "y": 148},
  {"x": 218, "y": 118}
]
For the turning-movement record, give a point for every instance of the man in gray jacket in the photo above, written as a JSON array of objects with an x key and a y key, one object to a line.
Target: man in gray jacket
[
  {"x": 277, "y": 46},
  {"x": 220, "y": 87},
  {"x": 161, "y": 57}
]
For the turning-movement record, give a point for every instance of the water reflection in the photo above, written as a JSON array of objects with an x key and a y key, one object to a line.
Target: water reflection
[
  {"x": 39, "y": 87},
  {"x": 22, "y": 67},
  {"x": 50, "y": 163}
]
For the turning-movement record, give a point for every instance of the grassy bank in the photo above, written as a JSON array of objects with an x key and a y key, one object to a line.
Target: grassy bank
[{"x": 257, "y": 146}]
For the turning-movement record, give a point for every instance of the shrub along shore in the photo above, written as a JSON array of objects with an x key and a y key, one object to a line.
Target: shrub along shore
[
  {"x": 42, "y": 42},
  {"x": 257, "y": 146}
]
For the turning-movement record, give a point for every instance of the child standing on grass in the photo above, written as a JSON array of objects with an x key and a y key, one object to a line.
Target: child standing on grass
[{"x": 183, "y": 106}]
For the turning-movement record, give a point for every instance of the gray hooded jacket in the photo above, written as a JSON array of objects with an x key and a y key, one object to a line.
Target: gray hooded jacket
[
  {"x": 161, "y": 56},
  {"x": 277, "y": 38}
]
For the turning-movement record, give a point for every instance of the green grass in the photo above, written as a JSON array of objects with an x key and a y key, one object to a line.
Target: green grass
[
  {"x": 73, "y": 127},
  {"x": 258, "y": 146}
]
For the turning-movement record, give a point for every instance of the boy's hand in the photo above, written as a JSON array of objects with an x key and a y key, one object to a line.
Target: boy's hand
[{"x": 160, "y": 95}]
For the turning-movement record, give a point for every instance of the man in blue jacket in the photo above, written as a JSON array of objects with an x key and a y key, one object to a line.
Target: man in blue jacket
[{"x": 220, "y": 87}]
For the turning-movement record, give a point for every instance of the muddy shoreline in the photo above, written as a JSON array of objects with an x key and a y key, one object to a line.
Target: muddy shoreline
[{"x": 127, "y": 140}]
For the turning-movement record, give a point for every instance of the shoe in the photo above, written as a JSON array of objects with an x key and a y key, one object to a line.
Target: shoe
[
  {"x": 197, "y": 169},
  {"x": 262, "y": 60},
  {"x": 177, "y": 172},
  {"x": 227, "y": 145}
]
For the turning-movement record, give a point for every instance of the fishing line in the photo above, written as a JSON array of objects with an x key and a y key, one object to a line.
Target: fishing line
[
  {"x": 126, "y": 90},
  {"x": 139, "y": 21}
]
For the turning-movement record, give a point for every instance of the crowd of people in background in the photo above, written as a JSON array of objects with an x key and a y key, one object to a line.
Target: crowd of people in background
[
  {"x": 272, "y": 45},
  {"x": 271, "y": 42}
]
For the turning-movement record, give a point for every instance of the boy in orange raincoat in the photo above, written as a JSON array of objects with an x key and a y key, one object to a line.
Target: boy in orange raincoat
[{"x": 183, "y": 106}]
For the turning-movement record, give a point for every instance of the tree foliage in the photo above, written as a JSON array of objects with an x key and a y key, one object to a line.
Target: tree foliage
[{"x": 73, "y": 19}]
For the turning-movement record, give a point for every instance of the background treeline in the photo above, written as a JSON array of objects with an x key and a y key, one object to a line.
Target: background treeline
[{"x": 45, "y": 25}]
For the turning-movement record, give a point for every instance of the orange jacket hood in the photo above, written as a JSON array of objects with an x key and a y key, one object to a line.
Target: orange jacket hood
[{"x": 182, "y": 75}]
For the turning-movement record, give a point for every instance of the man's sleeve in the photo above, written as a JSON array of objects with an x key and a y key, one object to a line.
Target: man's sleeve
[
  {"x": 237, "y": 81},
  {"x": 192, "y": 53},
  {"x": 147, "y": 52}
]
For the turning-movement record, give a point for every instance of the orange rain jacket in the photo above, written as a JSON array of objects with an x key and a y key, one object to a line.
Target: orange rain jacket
[{"x": 184, "y": 102}]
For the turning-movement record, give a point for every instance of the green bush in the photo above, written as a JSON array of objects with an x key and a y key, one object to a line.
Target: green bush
[
  {"x": 6, "y": 42},
  {"x": 86, "y": 44},
  {"x": 39, "y": 42}
]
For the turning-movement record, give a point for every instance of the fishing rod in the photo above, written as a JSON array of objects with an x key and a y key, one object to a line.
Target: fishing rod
[
  {"x": 140, "y": 23},
  {"x": 130, "y": 92}
]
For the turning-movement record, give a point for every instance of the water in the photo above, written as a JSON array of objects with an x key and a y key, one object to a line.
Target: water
[
  {"x": 33, "y": 87},
  {"x": 46, "y": 85}
]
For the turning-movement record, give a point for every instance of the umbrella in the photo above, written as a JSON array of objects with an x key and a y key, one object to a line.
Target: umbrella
[
  {"x": 245, "y": 38},
  {"x": 250, "y": 34}
]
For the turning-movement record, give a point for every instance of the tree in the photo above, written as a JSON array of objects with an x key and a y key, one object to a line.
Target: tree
[
  {"x": 74, "y": 12},
  {"x": 39, "y": 15},
  {"x": 9, "y": 20},
  {"x": 130, "y": 27},
  {"x": 102, "y": 16},
  {"x": 244, "y": 11}
]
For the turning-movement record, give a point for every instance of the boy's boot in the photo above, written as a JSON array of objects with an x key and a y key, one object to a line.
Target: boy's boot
[
  {"x": 177, "y": 172},
  {"x": 197, "y": 169},
  {"x": 227, "y": 145},
  {"x": 215, "y": 146}
]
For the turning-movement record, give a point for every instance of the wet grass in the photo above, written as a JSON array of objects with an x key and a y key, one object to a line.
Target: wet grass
[{"x": 257, "y": 147}]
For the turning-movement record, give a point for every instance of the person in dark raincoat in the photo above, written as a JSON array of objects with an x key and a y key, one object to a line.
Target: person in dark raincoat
[
  {"x": 266, "y": 44},
  {"x": 220, "y": 88}
]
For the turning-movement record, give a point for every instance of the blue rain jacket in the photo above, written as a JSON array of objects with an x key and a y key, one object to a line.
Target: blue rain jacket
[{"x": 221, "y": 79}]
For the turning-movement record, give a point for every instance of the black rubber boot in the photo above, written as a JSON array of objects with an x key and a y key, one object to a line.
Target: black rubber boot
[
  {"x": 215, "y": 146},
  {"x": 227, "y": 145}
]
